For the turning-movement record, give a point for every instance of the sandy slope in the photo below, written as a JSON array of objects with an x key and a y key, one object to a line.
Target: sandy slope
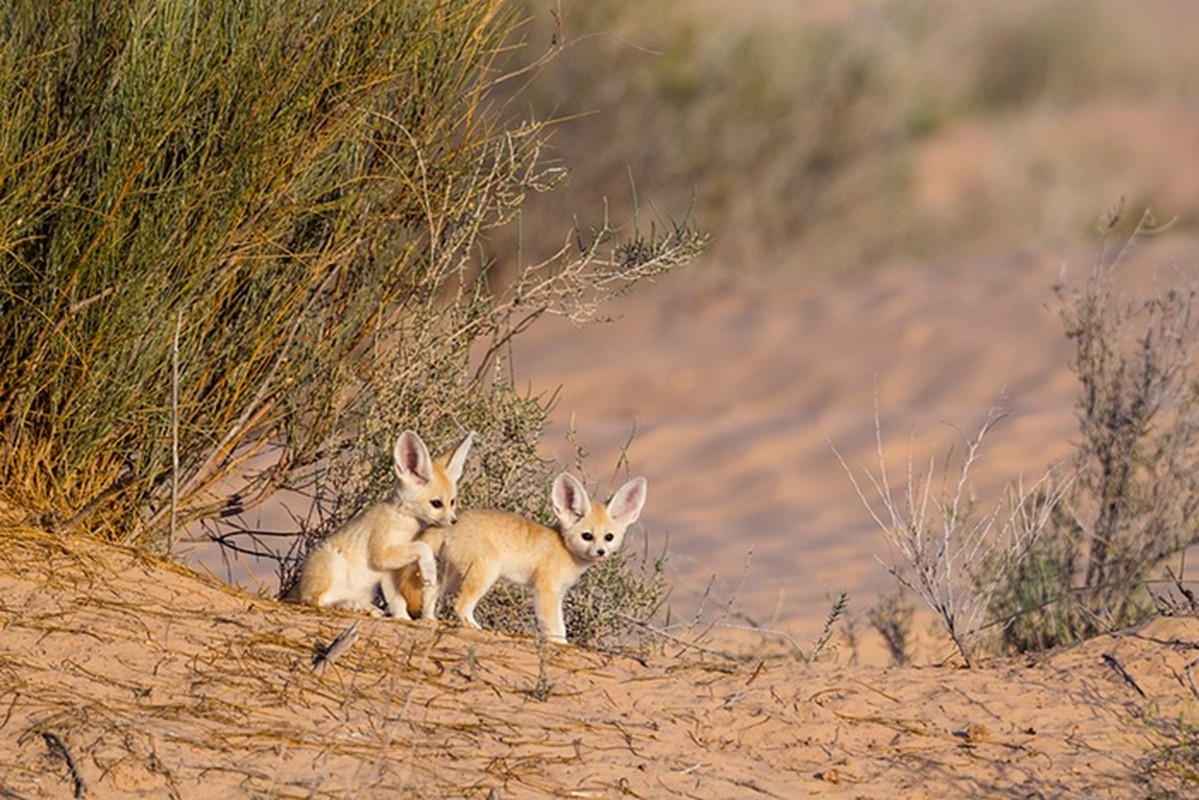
[{"x": 159, "y": 684}]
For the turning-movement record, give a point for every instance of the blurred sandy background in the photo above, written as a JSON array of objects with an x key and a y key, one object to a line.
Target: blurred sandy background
[{"x": 892, "y": 189}]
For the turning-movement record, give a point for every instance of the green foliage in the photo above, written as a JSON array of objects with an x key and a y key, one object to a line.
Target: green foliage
[
  {"x": 253, "y": 228},
  {"x": 289, "y": 184}
]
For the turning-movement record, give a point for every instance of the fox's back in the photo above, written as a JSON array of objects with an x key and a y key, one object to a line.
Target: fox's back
[{"x": 504, "y": 538}]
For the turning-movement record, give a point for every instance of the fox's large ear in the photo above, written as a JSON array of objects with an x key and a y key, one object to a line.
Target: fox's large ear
[
  {"x": 412, "y": 458},
  {"x": 570, "y": 500},
  {"x": 457, "y": 461},
  {"x": 625, "y": 506}
]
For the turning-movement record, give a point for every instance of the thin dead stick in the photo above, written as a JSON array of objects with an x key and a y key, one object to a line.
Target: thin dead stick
[
  {"x": 677, "y": 639},
  {"x": 57, "y": 748},
  {"x": 1191, "y": 677},
  {"x": 1115, "y": 664},
  {"x": 174, "y": 436},
  {"x": 326, "y": 655}
]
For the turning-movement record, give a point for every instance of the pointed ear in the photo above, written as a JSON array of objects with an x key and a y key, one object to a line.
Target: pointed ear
[
  {"x": 625, "y": 506},
  {"x": 412, "y": 458},
  {"x": 570, "y": 500},
  {"x": 457, "y": 461}
]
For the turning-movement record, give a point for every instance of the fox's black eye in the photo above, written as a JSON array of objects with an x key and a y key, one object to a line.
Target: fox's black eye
[
  {"x": 587, "y": 537},
  {"x": 436, "y": 503},
  {"x": 609, "y": 537}
]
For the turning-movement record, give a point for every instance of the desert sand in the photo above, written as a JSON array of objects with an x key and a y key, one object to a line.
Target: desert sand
[{"x": 123, "y": 677}]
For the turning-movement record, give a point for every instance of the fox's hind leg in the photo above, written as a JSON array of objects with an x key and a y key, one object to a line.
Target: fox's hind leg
[
  {"x": 318, "y": 578},
  {"x": 476, "y": 583}
]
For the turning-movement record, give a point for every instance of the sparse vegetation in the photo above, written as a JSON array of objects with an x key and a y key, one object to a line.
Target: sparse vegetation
[
  {"x": 1071, "y": 556},
  {"x": 1173, "y": 763},
  {"x": 1133, "y": 503},
  {"x": 796, "y": 128},
  {"x": 952, "y": 554}
]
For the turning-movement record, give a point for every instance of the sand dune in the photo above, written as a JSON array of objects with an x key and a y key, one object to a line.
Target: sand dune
[{"x": 122, "y": 677}]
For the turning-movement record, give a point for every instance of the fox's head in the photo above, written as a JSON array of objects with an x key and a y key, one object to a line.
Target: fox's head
[
  {"x": 589, "y": 530},
  {"x": 427, "y": 488}
]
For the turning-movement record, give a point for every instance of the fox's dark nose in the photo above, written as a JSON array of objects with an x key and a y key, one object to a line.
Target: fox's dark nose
[{"x": 599, "y": 553}]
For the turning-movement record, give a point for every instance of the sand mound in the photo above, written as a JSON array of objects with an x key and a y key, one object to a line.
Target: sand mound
[{"x": 125, "y": 677}]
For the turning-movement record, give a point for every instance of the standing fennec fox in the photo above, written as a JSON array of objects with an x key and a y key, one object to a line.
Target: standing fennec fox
[
  {"x": 344, "y": 569},
  {"x": 488, "y": 545}
]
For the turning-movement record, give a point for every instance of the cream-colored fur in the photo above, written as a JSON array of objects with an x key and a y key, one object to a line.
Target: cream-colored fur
[
  {"x": 486, "y": 546},
  {"x": 344, "y": 569}
]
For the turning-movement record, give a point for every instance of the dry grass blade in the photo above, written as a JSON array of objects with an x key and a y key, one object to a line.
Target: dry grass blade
[{"x": 327, "y": 654}]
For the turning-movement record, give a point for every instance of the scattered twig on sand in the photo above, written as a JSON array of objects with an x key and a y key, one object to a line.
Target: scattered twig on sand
[
  {"x": 327, "y": 654},
  {"x": 676, "y": 639},
  {"x": 57, "y": 748},
  {"x": 1115, "y": 664},
  {"x": 1191, "y": 677}
]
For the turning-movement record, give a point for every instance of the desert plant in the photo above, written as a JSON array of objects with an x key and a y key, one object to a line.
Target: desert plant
[
  {"x": 239, "y": 242},
  {"x": 950, "y": 552},
  {"x": 892, "y": 617},
  {"x": 1172, "y": 765},
  {"x": 1134, "y": 501}
]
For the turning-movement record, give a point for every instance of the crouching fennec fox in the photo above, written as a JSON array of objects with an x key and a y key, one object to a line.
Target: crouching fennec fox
[
  {"x": 344, "y": 569},
  {"x": 487, "y": 545}
]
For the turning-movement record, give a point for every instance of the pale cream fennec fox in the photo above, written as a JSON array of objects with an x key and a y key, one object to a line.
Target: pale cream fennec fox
[
  {"x": 488, "y": 545},
  {"x": 344, "y": 569}
]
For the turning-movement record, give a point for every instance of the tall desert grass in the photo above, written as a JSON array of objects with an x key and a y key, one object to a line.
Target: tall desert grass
[{"x": 238, "y": 240}]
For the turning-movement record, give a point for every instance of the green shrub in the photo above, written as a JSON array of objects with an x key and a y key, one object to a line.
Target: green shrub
[{"x": 240, "y": 249}]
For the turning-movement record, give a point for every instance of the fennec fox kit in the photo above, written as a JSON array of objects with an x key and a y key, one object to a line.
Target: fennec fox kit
[
  {"x": 488, "y": 545},
  {"x": 345, "y": 568}
]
